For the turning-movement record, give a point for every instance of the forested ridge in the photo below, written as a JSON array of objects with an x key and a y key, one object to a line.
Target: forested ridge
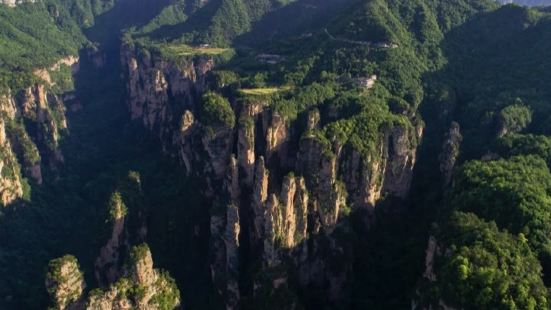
[{"x": 267, "y": 154}]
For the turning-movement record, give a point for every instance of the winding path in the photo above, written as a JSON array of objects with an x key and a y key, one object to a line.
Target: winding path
[{"x": 366, "y": 43}]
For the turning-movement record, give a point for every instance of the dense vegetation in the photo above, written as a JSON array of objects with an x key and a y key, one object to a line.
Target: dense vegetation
[
  {"x": 216, "y": 111},
  {"x": 484, "y": 268},
  {"x": 484, "y": 67},
  {"x": 34, "y": 36},
  {"x": 513, "y": 193},
  {"x": 492, "y": 88}
]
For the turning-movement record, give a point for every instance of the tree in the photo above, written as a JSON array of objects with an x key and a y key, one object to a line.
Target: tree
[{"x": 477, "y": 266}]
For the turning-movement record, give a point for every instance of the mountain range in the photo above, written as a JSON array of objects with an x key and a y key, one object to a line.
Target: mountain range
[{"x": 273, "y": 154}]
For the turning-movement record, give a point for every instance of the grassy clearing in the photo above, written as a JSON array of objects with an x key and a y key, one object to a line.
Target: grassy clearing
[
  {"x": 264, "y": 91},
  {"x": 186, "y": 50}
]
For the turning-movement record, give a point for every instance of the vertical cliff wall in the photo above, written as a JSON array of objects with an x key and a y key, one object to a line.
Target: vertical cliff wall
[
  {"x": 276, "y": 199},
  {"x": 33, "y": 122}
]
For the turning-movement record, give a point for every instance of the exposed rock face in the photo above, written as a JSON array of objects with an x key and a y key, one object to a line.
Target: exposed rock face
[
  {"x": 246, "y": 139},
  {"x": 37, "y": 104},
  {"x": 153, "y": 83},
  {"x": 431, "y": 252},
  {"x": 232, "y": 257},
  {"x": 258, "y": 199},
  {"x": 142, "y": 287},
  {"x": 33, "y": 122},
  {"x": 7, "y": 105},
  {"x": 218, "y": 145},
  {"x": 363, "y": 178},
  {"x": 320, "y": 170},
  {"x": 287, "y": 216},
  {"x": 184, "y": 139},
  {"x": 65, "y": 282},
  {"x": 108, "y": 264},
  {"x": 277, "y": 138},
  {"x": 313, "y": 119},
  {"x": 225, "y": 229},
  {"x": 45, "y": 110},
  {"x": 69, "y": 61},
  {"x": 249, "y": 175},
  {"x": 10, "y": 175},
  {"x": 400, "y": 157},
  {"x": 388, "y": 171},
  {"x": 450, "y": 152}
]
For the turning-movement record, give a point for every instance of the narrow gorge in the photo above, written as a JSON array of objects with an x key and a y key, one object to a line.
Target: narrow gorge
[{"x": 269, "y": 154}]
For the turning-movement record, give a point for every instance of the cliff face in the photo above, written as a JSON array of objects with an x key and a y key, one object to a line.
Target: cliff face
[
  {"x": 10, "y": 180},
  {"x": 108, "y": 263},
  {"x": 433, "y": 251},
  {"x": 33, "y": 121},
  {"x": 47, "y": 110},
  {"x": 44, "y": 73},
  {"x": 140, "y": 286},
  {"x": 450, "y": 152},
  {"x": 279, "y": 197},
  {"x": 153, "y": 83},
  {"x": 65, "y": 282}
]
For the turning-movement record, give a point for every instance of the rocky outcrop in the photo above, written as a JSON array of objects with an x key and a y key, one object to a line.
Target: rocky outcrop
[
  {"x": 108, "y": 264},
  {"x": 287, "y": 216},
  {"x": 36, "y": 119},
  {"x": 140, "y": 287},
  {"x": 389, "y": 170},
  {"x": 37, "y": 105},
  {"x": 217, "y": 143},
  {"x": 433, "y": 251},
  {"x": 11, "y": 187},
  {"x": 249, "y": 115},
  {"x": 277, "y": 138},
  {"x": 143, "y": 287},
  {"x": 8, "y": 108},
  {"x": 450, "y": 152},
  {"x": 156, "y": 88},
  {"x": 183, "y": 140},
  {"x": 69, "y": 61},
  {"x": 258, "y": 200},
  {"x": 319, "y": 168},
  {"x": 65, "y": 282},
  {"x": 399, "y": 157},
  {"x": 225, "y": 229},
  {"x": 272, "y": 179},
  {"x": 231, "y": 241},
  {"x": 33, "y": 122},
  {"x": 313, "y": 120}
]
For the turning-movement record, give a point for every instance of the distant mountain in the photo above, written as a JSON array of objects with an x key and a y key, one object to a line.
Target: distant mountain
[{"x": 527, "y": 2}]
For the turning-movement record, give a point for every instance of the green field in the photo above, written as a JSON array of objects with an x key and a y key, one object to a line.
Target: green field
[
  {"x": 187, "y": 50},
  {"x": 263, "y": 91}
]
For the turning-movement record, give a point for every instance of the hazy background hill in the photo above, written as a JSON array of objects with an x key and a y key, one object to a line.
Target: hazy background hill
[{"x": 527, "y": 2}]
